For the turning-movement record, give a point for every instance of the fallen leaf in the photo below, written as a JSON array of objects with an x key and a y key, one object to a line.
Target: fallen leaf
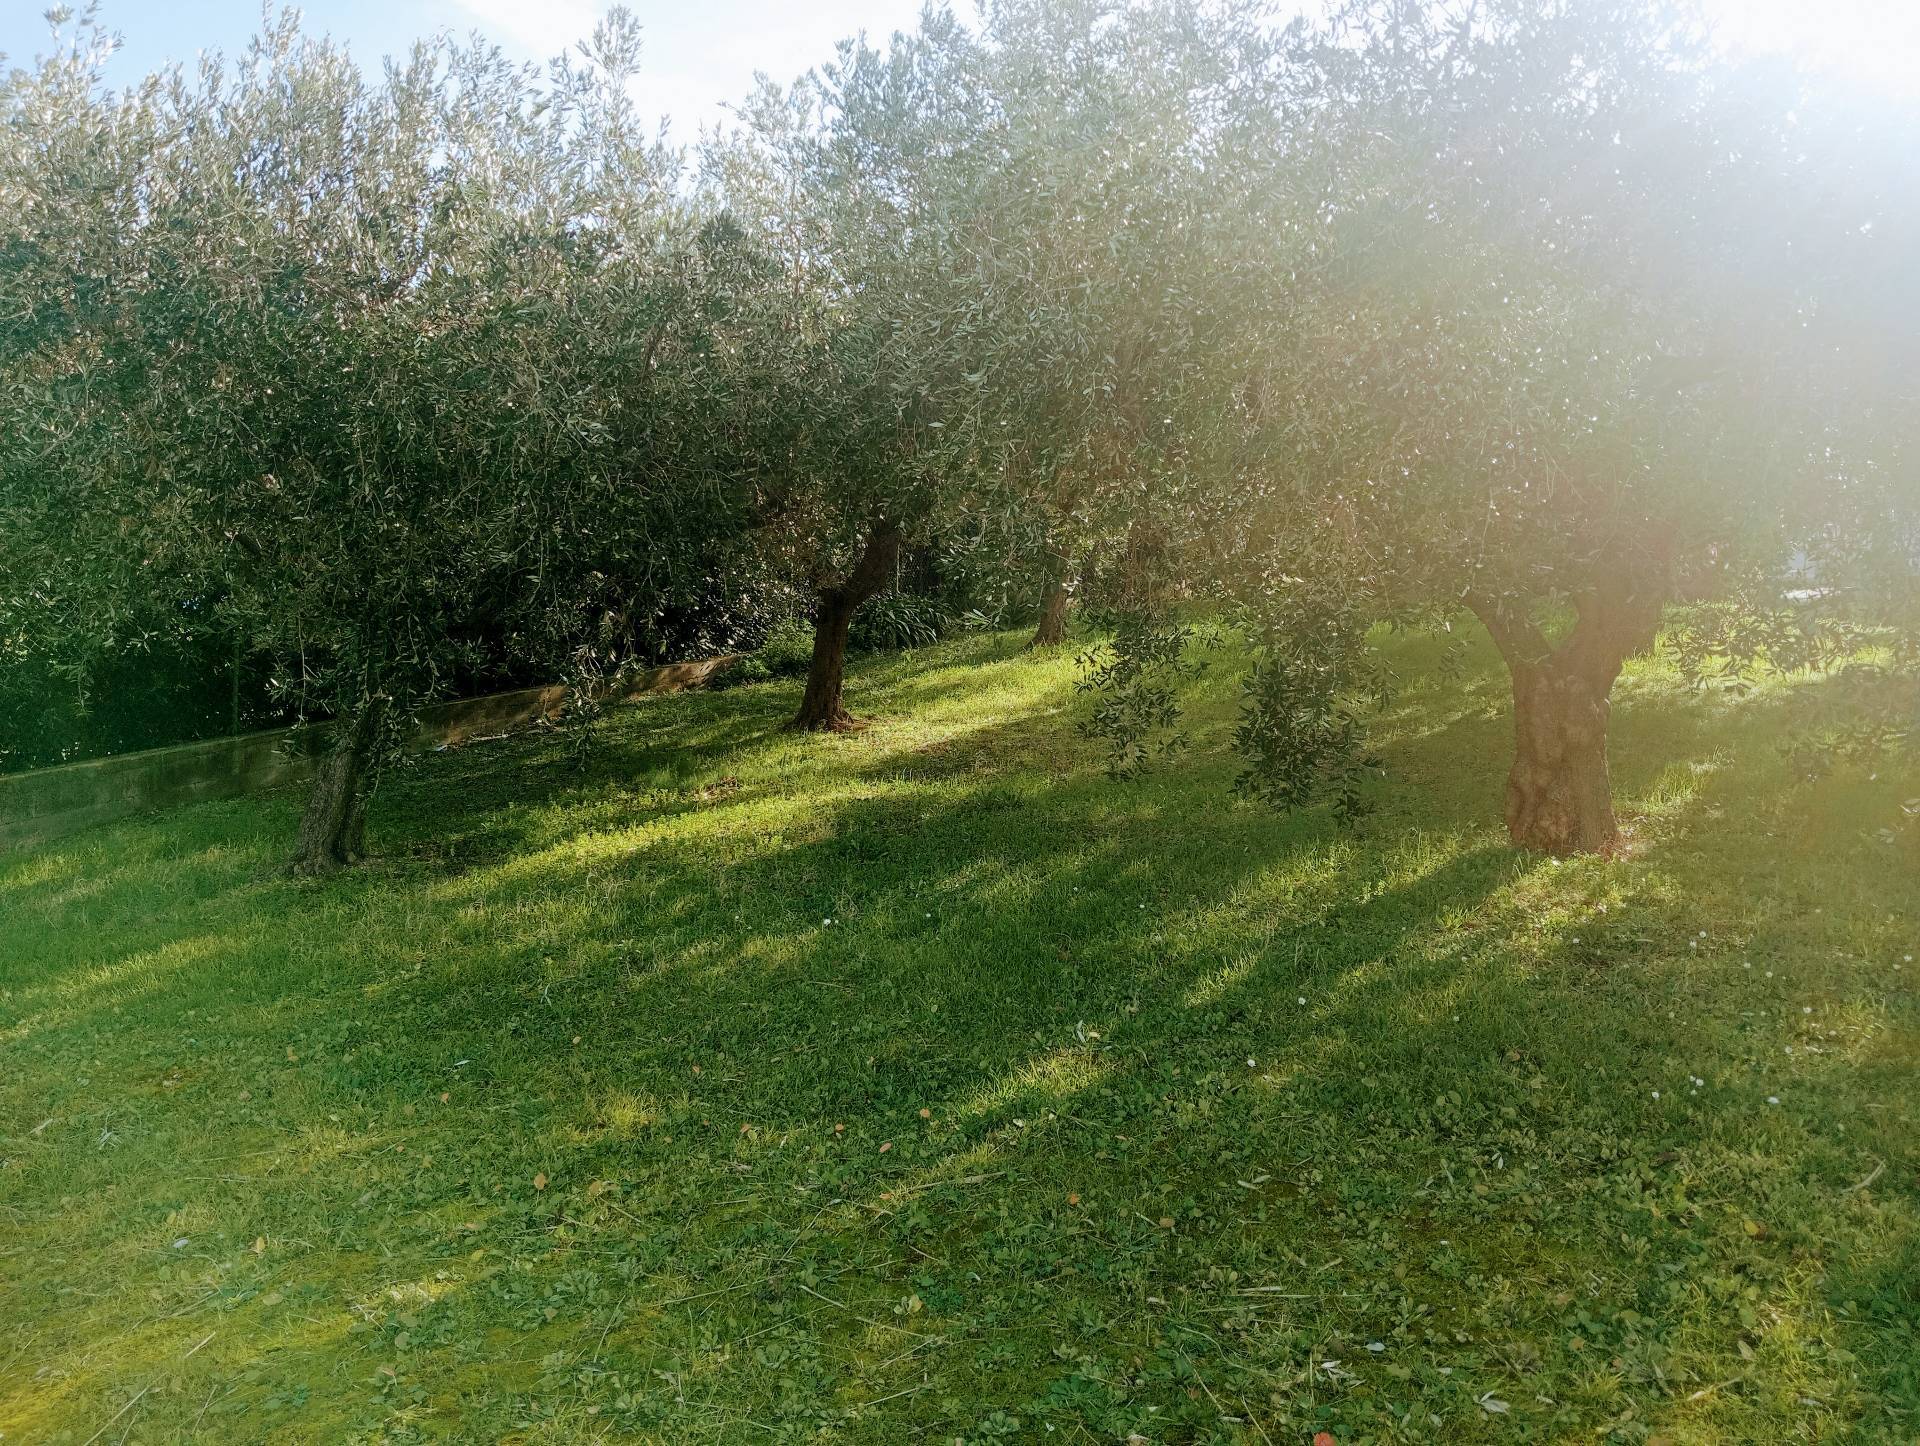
[
  {"x": 259, "y": 1245},
  {"x": 540, "y": 1181},
  {"x": 885, "y": 1147}
]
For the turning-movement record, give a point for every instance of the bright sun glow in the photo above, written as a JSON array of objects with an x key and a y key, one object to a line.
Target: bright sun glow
[{"x": 1870, "y": 42}]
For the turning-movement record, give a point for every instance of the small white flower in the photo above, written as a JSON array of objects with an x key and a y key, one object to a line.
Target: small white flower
[
  {"x": 1656, "y": 1094},
  {"x": 1303, "y": 999},
  {"x": 1773, "y": 1099},
  {"x": 1806, "y": 1009}
]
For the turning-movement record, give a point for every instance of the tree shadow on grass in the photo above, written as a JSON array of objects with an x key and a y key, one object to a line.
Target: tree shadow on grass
[
  {"x": 977, "y": 920},
  {"x": 1279, "y": 1038}
]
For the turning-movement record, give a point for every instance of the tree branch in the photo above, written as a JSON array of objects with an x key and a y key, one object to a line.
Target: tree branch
[{"x": 1519, "y": 641}]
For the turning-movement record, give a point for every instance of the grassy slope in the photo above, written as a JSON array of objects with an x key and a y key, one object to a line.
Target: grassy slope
[{"x": 924, "y": 1084}]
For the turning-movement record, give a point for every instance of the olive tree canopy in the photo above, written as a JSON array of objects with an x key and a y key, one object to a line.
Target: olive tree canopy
[{"x": 1568, "y": 324}]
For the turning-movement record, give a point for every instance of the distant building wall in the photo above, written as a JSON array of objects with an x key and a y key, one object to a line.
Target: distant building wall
[{"x": 50, "y": 802}]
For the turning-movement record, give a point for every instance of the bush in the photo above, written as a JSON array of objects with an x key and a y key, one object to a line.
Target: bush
[
  {"x": 898, "y": 620},
  {"x": 748, "y": 670},
  {"x": 788, "y": 648}
]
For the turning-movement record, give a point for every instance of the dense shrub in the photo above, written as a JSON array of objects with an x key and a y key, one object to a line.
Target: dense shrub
[
  {"x": 899, "y": 620},
  {"x": 788, "y": 648}
]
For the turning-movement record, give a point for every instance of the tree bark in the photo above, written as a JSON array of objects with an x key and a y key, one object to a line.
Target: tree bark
[
  {"x": 333, "y": 828},
  {"x": 1054, "y": 601},
  {"x": 1052, "y": 628},
  {"x": 1559, "y": 793},
  {"x": 821, "y": 710}
]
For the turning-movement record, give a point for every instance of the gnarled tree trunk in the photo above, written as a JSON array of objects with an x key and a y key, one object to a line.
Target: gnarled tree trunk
[
  {"x": 820, "y": 707},
  {"x": 1559, "y": 795},
  {"x": 333, "y": 829},
  {"x": 1054, "y": 601}
]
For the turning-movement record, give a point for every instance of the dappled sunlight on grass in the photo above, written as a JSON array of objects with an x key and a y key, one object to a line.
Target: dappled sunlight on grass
[
  {"x": 745, "y": 1082},
  {"x": 125, "y": 979},
  {"x": 1049, "y": 1079}
]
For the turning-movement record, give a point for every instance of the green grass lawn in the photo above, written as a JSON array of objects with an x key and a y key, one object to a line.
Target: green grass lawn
[{"x": 924, "y": 1084}]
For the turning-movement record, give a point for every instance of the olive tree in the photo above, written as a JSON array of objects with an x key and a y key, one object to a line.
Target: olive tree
[
  {"x": 78, "y": 578},
  {"x": 860, "y": 182},
  {"x": 328, "y": 352},
  {"x": 1553, "y": 323},
  {"x": 995, "y": 233}
]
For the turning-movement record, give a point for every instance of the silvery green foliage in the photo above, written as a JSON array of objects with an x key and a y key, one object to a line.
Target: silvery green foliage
[
  {"x": 1561, "y": 317},
  {"x": 1432, "y": 306},
  {"x": 394, "y": 379}
]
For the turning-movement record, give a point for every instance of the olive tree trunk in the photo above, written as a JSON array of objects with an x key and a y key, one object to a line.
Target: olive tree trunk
[
  {"x": 1559, "y": 793},
  {"x": 820, "y": 707},
  {"x": 333, "y": 828},
  {"x": 1054, "y": 602}
]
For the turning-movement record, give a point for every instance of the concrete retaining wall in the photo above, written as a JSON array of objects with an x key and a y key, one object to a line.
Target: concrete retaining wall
[{"x": 50, "y": 802}]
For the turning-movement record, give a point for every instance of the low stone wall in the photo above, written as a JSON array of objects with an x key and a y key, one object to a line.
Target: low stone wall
[{"x": 50, "y": 802}]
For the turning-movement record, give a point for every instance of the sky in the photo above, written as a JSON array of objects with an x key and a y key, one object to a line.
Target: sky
[
  {"x": 702, "y": 54},
  {"x": 699, "y": 54}
]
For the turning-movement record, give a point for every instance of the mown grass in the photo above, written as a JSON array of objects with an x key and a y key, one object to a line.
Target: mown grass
[{"x": 927, "y": 1085}]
